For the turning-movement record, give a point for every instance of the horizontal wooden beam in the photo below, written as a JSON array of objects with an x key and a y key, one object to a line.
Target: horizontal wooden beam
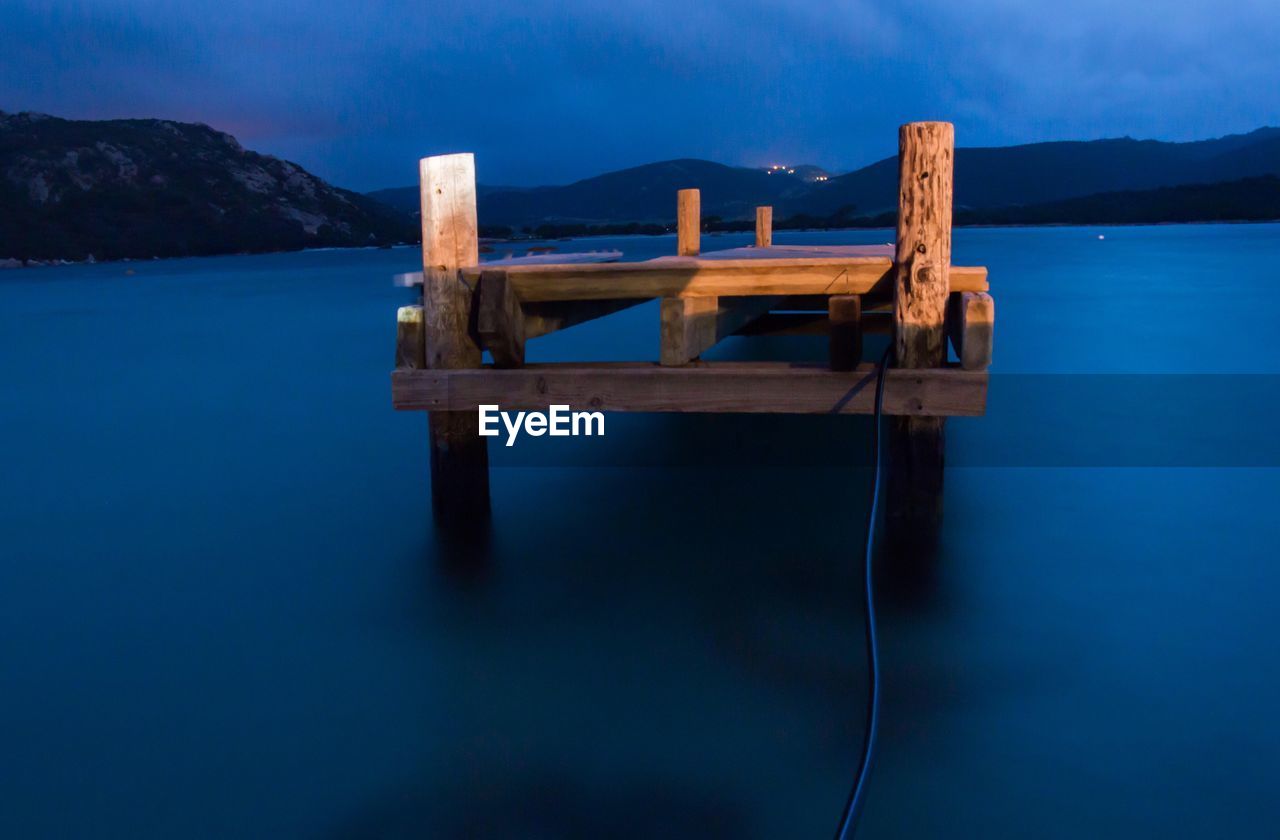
[
  {"x": 702, "y": 277},
  {"x": 738, "y": 387},
  {"x": 971, "y": 318}
]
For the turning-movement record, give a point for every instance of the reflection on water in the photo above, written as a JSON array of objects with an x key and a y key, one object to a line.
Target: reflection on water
[{"x": 224, "y": 609}]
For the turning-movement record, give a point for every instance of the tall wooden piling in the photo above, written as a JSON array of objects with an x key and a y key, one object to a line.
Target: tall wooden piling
[
  {"x": 764, "y": 227},
  {"x": 922, "y": 265},
  {"x": 688, "y": 223},
  {"x": 450, "y": 242}
]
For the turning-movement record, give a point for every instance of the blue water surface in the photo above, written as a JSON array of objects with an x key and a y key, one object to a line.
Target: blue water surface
[{"x": 224, "y": 609}]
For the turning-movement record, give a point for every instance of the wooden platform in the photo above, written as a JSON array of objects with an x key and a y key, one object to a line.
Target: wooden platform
[{"x": 908, "y": 289}]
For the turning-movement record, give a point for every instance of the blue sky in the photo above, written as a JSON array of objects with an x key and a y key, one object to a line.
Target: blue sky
[{"x": 547, "y": 92}]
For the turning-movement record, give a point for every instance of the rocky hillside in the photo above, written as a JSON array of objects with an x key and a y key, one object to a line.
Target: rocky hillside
[{"x": 152, "y": 188}]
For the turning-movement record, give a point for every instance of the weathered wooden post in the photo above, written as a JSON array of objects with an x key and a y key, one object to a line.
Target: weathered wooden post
[
  {"x": 926, "y": 151},
  {"x": 450, "y": 241},
  {"x": 764, "y": 227},
  {"x": 688, "y": 223}
]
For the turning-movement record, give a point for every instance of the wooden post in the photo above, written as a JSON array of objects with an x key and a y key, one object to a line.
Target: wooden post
[
  {"x": 845, "y": 338},
  {"x": 970, "y": 319},
  {"x": 922, "y": 265},
  {"x": 688, "y": 223},
  {"x": 410, "y": 339},
  {"x": 764, "y": 227},
  {"x": 450, "y": 242},
  {"x": 500, "y": 320}
]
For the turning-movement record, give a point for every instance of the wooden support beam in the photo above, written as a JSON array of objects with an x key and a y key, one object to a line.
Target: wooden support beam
[
  {"x": 450, "y": 242},
  {"x": 500, "y": 321},
  {"x": 845, "y": 340},
  {"x": 550, "y": 316},
  {"x": 687, "y": 326},
  {"x": 922, "y": 269},
  {"x": 764, "y": 227},
  {"x": 971, "y": 318},
  {"x": 695, "y": 277},
  {"x": 737, "y": 387},
  {"x": 410, "y": 338},
  {"x": 688, "y": 223},
  {"x": 691, "y": 326}
]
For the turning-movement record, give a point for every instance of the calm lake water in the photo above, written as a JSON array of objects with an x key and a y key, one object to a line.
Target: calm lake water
[{"x": 224, "y": 611}]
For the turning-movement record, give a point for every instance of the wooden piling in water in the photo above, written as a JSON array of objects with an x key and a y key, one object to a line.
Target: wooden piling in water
[
  {"x": 922, "y": 266},
  {"x": 688, "y": 223},
  {"x": 764, "y": 227},
  {"x": 450, "y": 242}
]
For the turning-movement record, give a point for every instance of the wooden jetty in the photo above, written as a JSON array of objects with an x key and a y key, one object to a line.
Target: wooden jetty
[{"x": 910, "y": 290}]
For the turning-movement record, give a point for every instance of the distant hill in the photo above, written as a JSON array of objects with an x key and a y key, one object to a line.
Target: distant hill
[
  {"x": 142, "y": 188},
  {"x": 1245, "y": 200},
  {"x": 986, "y": 178},
  {"x": 1043, "y": 172},
  {"x": 640, "y": 194}
]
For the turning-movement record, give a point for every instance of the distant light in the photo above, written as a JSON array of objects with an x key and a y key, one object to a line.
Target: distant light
[{"x": 1100, "y": 236}]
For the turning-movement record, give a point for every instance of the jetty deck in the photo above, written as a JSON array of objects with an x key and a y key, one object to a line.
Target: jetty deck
[{"x": 908, "y": 289}]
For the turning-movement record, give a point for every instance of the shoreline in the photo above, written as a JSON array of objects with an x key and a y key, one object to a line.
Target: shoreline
[{"x": 14, "y": 264}]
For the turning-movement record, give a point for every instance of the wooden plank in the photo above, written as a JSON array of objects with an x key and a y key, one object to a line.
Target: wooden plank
[
  {"x": 410, "y": 338},
  {"x": 697, "y": 277},
  {"x": 688, "y": 223},
  {"x": 845, "y": 339},
  {"x": 971, "y": 318},
  {"x": 691, "y": 326},
  {"x": 500, "y": 321},
  {"x": 764, "y": 227},
  {"x": 739, "y": 387},
  {"x": 922, "y": 271},
  {"x": 459, "y": 456}
]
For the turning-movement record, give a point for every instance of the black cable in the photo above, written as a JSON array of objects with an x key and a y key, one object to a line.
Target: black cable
[{"x": 857, "y": 796}]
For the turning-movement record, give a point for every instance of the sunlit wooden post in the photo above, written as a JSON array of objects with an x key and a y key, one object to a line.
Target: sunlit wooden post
[
  {"x": 922, "y": 266},
  {"x": 764, "y": 227},
  {"x": 450, "y": 242}
]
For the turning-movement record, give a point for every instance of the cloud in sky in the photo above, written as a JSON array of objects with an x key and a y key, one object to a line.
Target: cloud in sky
[{"x": 547, "y": 91}]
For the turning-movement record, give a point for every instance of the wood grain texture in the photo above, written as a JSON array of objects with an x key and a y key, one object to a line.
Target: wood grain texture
[
  {"x": 687, "y": 326},
  {"x": 922, "y": 279},
  {"x": 739, "y": 387},
  {"x": 500, "y": 320},
  {"x": 688, "y": 223},
  {"x": 922, "y": 263},
  {"x": 691, "y": 326},
  {"x": 410, "y": 338},
  {"x": 764, "y": 227},
  {"x": 450, "y": 242},
  {"x": 703, "y": 277},
  {"x": 971, "y": 318}
]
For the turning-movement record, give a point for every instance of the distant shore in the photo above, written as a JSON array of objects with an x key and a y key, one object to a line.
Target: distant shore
[{"x": 519, "y": 240}]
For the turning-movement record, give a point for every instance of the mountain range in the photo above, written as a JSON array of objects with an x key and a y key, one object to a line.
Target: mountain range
[
  {"x": 112, "y": 189},
  {"x": 986, "y": 177}
]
